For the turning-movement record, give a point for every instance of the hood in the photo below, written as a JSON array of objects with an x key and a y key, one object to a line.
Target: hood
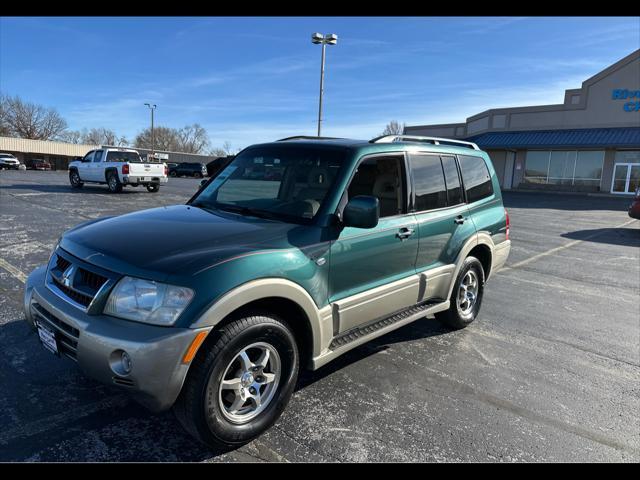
[{"x": 157, "y": 242}]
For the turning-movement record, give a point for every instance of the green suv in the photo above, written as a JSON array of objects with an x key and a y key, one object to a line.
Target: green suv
[{"x": 296, "y": 252}]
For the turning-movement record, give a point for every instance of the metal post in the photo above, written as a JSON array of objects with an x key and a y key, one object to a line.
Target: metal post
[
  {"x": 324, "y": 46},
  {"x": 153, "y": 136}
]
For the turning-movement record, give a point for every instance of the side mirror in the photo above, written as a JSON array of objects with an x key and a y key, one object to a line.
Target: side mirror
[{"x": 362, "y": 211}]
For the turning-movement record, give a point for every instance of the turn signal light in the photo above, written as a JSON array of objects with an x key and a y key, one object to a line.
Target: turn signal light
[{"x": 193, "y": 348}]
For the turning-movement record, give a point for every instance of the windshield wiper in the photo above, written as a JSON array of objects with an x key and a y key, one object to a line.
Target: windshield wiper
[{"x": 247, "y": 211}]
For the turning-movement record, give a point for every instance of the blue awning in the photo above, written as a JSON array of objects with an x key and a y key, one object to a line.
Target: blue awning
[{"x": 578, "y": 138}]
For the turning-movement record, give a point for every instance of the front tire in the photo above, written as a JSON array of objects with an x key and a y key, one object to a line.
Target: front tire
[
  {"x": 240, "y": 381},
  {"x": 113, "y": 182},
  {"x": 466, "y": 296},
  {"x": 74, "y": 179}
]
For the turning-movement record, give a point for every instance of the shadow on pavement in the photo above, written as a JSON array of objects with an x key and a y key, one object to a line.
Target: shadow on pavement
[
  {"x": 51, "y": 412},
  {"x": 417, "y": 330},
  {"x": 559, "y": 201},
  {"x": 628, "y": 237},
  {"x": 67, "y": 188}
]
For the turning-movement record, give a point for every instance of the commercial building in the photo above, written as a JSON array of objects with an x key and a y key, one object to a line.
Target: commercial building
[
  {"x": 590, "y": 142},
  {"x": 59, "y": 154}
]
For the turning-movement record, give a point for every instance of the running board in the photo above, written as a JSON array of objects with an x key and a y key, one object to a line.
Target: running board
[{"x": 404, "y": 316}]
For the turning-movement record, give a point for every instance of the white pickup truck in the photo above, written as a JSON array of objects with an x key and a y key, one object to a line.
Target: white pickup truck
[{"x": 117, "y": 167}]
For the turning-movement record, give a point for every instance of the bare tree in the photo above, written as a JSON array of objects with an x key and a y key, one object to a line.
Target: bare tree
[
  {"x": 393, "y": 128},
  {"x": 165, "y": 139},
  {"x": 70, "y": 136},
  {"x": 223, "y": 151},
  {"x": 100, "y": 136},
  {"x": 29, "y": 120},
  {"x": 192, "y": 139},
  {"x": 5, "y": 129}
]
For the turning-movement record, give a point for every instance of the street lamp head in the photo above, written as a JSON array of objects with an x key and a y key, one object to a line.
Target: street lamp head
[
  {"x": 317, "y": 38},
  {"x": 331, "y": 39}
]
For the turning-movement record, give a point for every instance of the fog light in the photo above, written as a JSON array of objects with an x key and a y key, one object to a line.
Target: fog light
[{"x": 126, "y": 362}]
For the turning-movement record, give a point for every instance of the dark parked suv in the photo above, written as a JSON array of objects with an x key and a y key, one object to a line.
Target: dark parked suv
[
  {"x": 188, "y": 169},
  {"x": 297, "y": 252}
]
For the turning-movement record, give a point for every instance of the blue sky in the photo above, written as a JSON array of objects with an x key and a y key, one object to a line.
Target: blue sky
[{"x": 248, "y": 80}]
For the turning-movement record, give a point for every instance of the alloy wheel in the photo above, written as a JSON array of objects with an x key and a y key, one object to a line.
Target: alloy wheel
[{"x": 249, "y": 382}]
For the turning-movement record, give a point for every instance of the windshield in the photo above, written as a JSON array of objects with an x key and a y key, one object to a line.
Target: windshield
[
  {"x": 123, "y": 157},
  {"x": 288, "y": 184},
  {"x": 7, "y": 155}
]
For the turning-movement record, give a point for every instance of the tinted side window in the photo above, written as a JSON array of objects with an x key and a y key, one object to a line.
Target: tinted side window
[
  {"x": 97, "y": 156},
  {"x": 451, "y": 176},
  {"x": 88, "y": 157},
  {"x": 381, "y": 177},
  {"x": 428, "y": 180},
  {"x": 475, "y": 174}
]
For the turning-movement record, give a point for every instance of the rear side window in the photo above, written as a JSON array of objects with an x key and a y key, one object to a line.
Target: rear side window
[
  {"x": 428, "y": 179},
  {"x": 475, "y": 174},
  {"x": 452, "y": 178}
]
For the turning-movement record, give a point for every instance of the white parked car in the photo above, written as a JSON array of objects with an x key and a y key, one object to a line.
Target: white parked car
[
  {"x": 117, "y": 167},
  {"x": 9, "y": 161}
]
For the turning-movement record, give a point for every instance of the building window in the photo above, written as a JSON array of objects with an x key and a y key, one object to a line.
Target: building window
[
  {"x": 564, "y": 167},
  {"x": 627, "y": 156}
]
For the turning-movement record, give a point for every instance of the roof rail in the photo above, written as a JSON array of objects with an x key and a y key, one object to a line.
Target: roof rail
[
  {"x": 306, "y": 137},
  {"x": 432, "y": 140}
]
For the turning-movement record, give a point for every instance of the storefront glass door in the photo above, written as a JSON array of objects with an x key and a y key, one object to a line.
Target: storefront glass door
[{"x": 626, "y": 178}]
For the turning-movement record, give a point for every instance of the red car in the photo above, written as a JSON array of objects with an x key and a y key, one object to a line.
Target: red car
[
  {"x": 41, "y": 165},
  {"x": 634, "y": 208}
]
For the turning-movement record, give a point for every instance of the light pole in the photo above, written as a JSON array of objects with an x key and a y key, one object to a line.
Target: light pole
[
  {"x": 153, "y": 135},
  {"x": 324, "y": 40}
]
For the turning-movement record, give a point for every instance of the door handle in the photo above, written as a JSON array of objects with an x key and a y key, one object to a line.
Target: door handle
[
  {"x": 404, "y": 233},
  {"x": 459, "y": 220}
]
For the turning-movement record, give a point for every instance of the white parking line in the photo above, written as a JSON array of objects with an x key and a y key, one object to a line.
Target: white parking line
[
  {"x": 13, "y": 270},
  {"x": 560, "y": 248}
]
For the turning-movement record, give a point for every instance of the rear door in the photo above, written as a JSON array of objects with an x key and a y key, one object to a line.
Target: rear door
[{"x": 442, "y": 217}]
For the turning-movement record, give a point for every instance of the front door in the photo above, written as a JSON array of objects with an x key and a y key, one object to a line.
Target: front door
[
  {"x": 84, "y": 167},
  {"x": 626, "y": 178},
  {"x": 372, "y": 271}
]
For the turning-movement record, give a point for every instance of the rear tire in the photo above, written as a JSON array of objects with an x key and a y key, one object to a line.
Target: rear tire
[
  {"x": 74, "y": 179},
  {"x": 173, "y": 174},
  {"x": 113, "y": 182},
  {"x": 466, "y": 296},
  {"x": 153, "y": 188},
  {"x": 234, "y": 415}
]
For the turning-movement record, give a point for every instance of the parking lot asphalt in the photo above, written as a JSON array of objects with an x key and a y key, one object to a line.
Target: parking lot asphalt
[{"x": 549, "y": 371}]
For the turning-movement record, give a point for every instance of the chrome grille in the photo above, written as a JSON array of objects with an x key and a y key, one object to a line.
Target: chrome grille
[{"x": 74, "y": 280}]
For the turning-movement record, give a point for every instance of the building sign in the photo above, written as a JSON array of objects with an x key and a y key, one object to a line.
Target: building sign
[{"x": 633, "y": 105}]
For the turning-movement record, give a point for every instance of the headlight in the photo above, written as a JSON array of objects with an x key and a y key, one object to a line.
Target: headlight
[{"x": 147, "y": 301}]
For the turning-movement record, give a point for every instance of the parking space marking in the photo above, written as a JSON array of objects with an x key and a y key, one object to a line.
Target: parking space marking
[
  {"x": 560, "y": 248},
  {"x": 13, "y": 270}
]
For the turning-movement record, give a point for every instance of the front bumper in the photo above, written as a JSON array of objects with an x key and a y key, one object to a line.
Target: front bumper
[
  {"x": 156, "y": 353},
  {"x": 128, "y": 179}
]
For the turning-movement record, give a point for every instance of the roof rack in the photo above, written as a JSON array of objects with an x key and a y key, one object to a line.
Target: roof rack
[
  {"x": 432, "y": 140},
  {"x": 306, "y": 137}
]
